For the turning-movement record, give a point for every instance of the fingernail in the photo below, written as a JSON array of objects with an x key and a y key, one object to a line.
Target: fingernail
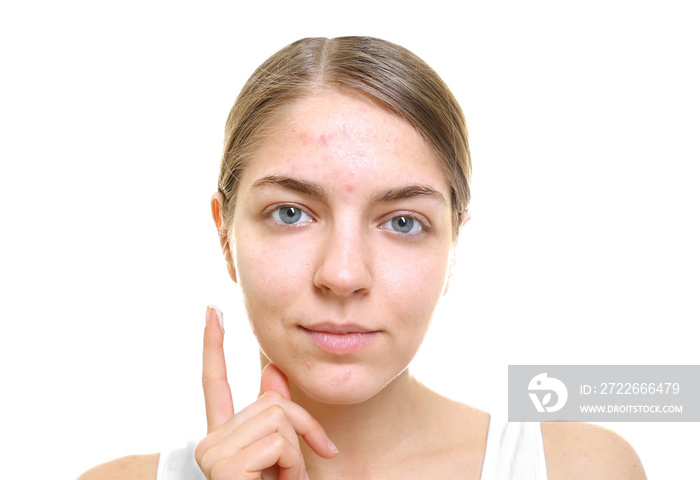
[
  {"x": 306, "y": 475},
  {"x": 212, "y": 310},
  {"x": 332, "y": 446}
]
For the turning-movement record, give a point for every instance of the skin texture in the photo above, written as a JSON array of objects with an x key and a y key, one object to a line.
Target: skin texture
[
  {"x": 317, "y": 247},
  {"x": 580, "y": 451},
  {"x": 342, "y": 263}
]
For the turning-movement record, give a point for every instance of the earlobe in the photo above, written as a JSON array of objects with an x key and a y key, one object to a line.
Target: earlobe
[
  {"x": 446, "y": 287},
  {"x": 217, "y": 201},
  {"x": 464, "y": 217}
]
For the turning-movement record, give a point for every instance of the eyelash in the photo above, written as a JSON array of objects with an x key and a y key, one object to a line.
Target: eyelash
[
  {"x": 419, "y": 219},
  {"x": 270, "y": 211}
]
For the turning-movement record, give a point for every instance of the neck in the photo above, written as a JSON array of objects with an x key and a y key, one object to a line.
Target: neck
[{"x": 371, "y": 429}]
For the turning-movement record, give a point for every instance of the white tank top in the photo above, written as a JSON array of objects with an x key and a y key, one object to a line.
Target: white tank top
[{"x": 514, "y": 451}]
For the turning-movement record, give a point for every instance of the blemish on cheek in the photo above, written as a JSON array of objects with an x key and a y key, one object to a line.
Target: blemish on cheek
[
  {"x": 350, "y": 187},
  {"x": 309, "y": 365},
  {"x": 293, "y": 343},
  {"x": 347, "y": 374},
  {"x": 324, "y": 138},
  {"x": 304, "y": 138},
  {"x": 253, "y": 326}
]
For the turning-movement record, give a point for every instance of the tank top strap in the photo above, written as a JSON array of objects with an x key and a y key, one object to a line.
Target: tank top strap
[
  {"x": 179, "y": 464},
  {"x": 514, "y": 451}
]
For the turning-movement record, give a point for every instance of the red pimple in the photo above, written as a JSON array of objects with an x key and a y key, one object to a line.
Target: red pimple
[
  {"x": 309, "y": 365},
  {"x": 324, "y": 138},
  {"x": 350, "y": 187}
]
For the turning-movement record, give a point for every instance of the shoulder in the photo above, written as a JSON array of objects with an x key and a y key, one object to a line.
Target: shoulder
[
  {"x": 136, "y": 467},
  {"x": 583, "y": 451}
]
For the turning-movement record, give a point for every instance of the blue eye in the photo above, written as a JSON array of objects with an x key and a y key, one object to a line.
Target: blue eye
[
  {"x": 403, "y": 224},
  {"x": 290, "y": 215}
]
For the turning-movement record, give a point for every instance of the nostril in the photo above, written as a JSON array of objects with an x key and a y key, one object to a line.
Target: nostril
[{"x": 343, "y": 278}]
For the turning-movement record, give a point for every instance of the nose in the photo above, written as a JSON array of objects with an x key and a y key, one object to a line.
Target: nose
[{"x": 344, "y": 264}]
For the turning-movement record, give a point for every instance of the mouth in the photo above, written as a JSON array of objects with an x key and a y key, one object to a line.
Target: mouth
[{"x": 340, "y": 338}]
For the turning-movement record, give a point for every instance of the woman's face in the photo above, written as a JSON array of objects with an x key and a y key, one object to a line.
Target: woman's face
[{"x": 342, "y": 234}]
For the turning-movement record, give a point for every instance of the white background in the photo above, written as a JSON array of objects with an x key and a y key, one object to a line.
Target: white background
[{"x": 583, "y": 121}]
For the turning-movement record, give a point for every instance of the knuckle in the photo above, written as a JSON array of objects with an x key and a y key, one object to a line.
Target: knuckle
[
  {"x": 199, "y": 452},
  {"x": 276, "y": 413},
  {"x": 206, "y": 463},
  {"x": 204, "y": 455},
  {"x": 202, "y": 448},
  {"x": 274, "y": 397},
  {"x": 278, "y": 441}
]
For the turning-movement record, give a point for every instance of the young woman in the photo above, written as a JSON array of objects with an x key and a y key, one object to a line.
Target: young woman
[{"x": 343, "y": 186}]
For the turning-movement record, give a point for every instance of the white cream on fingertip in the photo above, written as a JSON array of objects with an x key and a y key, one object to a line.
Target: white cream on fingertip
[{"x": 219, "y": 316}]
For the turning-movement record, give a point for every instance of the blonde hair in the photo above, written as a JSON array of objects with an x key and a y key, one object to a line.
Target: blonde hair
[{"x": 388, "y": 74}]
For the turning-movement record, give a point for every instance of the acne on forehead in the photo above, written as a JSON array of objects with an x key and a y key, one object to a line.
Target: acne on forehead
[
  {"x": 306, "y": 138},
  {"x": 334, "y": 126},
  {"x": 323, "y": 139}
]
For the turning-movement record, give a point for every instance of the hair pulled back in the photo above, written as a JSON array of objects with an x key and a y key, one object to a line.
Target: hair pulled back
[{"x": 389, "y": 75}]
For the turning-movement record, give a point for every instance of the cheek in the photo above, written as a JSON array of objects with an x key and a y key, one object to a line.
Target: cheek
[
  {"x": 270, "y": 275},
  {"x": 414, "y": 284},
  {"x": 409, "y": 272}
]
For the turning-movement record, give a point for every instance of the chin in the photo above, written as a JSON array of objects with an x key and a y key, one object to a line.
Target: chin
[
  {"x": 340, "y": 384},
  {"x": 337, "y": 379},
  {"x": 339, "y": 396}
]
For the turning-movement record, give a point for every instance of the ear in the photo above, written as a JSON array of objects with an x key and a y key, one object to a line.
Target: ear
[
  {"x": 217, "y": 201},
  {"x": 464, "y": 217},
  {"x": 446, "y": 287}
]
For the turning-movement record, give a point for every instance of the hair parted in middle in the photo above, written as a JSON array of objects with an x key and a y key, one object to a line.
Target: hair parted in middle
[{"x": 386, "y": 74}]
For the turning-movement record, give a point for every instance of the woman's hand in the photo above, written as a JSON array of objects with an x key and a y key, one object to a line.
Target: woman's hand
[{"x": 260, "y": 441}]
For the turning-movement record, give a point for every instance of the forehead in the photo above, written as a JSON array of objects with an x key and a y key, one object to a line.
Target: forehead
[{"x": 333, "y": 136}]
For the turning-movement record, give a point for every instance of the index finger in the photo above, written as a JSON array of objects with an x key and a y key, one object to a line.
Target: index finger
[{"x": 217, "y": 394}]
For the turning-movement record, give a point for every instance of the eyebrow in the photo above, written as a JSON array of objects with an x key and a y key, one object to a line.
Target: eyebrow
[
  {"x": 311, "y": 189},
  {"x": 316, "y": 190},
  {"x": 409, "y": 191}
]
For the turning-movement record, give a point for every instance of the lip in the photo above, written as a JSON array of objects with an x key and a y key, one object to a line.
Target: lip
[{"x": 340, "y": 338}]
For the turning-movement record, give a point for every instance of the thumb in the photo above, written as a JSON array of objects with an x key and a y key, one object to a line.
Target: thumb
[{"x": 273, "y": 379}]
